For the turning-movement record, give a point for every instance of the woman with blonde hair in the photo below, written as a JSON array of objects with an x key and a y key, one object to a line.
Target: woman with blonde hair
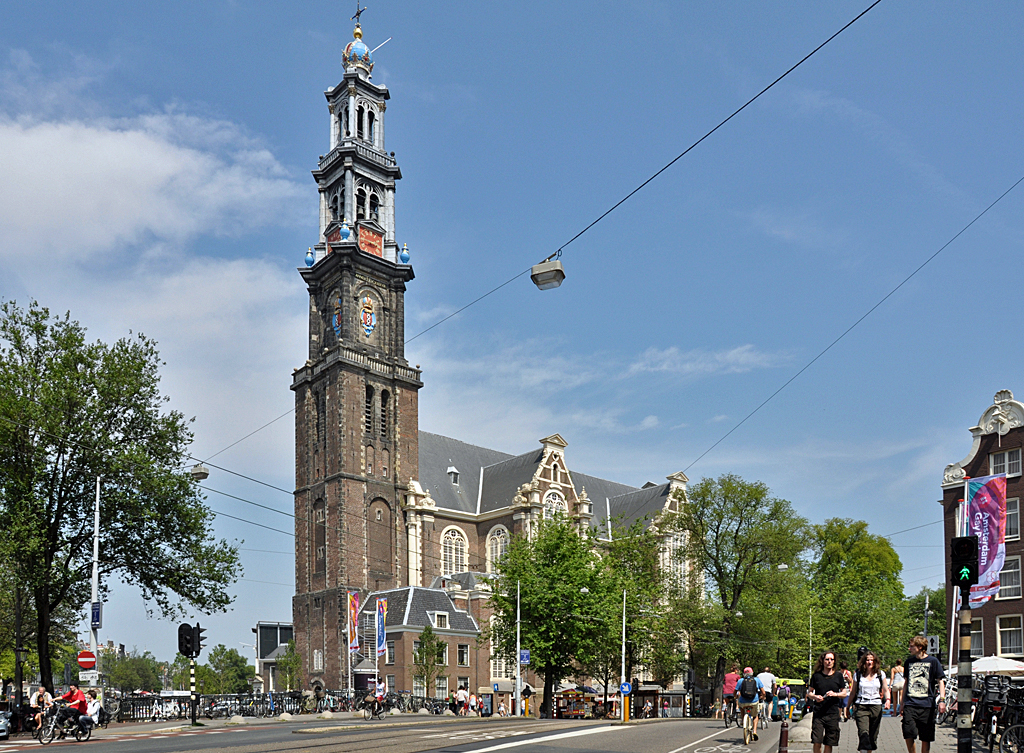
[
  {"x": 870, "y": 695},
  {"x": 896, "y": 684}
]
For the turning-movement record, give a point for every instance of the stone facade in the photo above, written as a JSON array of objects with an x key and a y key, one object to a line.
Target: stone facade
[{"x": 998, "y": 438}]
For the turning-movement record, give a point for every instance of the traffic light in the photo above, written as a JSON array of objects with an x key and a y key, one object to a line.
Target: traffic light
[
  {"x": 197, "y": 639},
  {"x": 963, "y": 558},
  {"x": 185, "y": 640}
]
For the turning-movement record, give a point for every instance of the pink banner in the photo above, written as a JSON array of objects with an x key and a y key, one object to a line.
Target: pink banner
[
  {"x": 986, "y": 519},
  {"x": 353, "y": 621}
]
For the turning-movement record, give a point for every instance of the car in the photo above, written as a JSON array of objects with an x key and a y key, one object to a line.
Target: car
[{"x": 5, "y": 725}]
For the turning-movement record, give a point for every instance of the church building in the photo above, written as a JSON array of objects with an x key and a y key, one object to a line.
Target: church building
[{"x": 383, "y": 508}]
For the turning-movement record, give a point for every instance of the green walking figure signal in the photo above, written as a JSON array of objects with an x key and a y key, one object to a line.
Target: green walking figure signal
[{"x": 963, "y": 555}]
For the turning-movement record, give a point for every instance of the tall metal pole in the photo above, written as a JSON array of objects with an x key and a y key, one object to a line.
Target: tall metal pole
[
  {"x": 94, "y": 632},
  {"x": 810, "y": 643},
  {"x": 19, "y": 654},
  {"x": 926, "y": 616},
  {"x": 964, "y": 699},
  {"x": 192, "y": 687},
  {"x": 519, "y": 667},
  {"x": 623, "y": 714}
]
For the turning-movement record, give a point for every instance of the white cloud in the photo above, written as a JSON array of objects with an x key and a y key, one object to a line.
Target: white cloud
[{"x": 736, "y": 360}]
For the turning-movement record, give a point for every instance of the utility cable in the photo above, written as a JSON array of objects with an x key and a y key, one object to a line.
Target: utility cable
[{"x": 854, "y": 325}]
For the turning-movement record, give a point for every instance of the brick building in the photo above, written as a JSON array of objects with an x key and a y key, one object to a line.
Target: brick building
[
  {"x": 997, "y": 627},
  {"x": 382, "y": 507}
]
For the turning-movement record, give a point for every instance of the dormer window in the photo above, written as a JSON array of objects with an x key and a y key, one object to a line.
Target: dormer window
[
  {"x": 441, "y": 620},
  {"x": 453, "y": 474}
]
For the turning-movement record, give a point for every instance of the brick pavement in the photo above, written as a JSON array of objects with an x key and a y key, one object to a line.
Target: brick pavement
[{"x": 890, "y": 738}]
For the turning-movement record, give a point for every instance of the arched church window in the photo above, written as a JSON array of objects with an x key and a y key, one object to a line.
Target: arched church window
[
  {"x": 344, "y": 123},
  {"x": 374, "y": 213},
  {"x": 385, "y": 462},
  {"x": 372, "y": 129},
  {"x": 361, "y": 204},
  {"x": 453, "y": 552},
  {"x": 497, "y": 545},
  {"x": 554, "y": 504},
  {"x": 385, "y": 400},
  {"x": 360, "y": 116},
  {"x": 368, "y": 411},
  {"x": 369, "y": 460},
  {"x": 319, "y": 536}
]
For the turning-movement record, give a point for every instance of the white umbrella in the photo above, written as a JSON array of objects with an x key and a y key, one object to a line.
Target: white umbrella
[{"x": 997, "y": 665}]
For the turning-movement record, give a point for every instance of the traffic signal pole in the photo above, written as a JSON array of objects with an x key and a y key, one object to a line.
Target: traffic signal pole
[
  {"x": 964, "y": 741},
  {"x": 192, "y": 687}
]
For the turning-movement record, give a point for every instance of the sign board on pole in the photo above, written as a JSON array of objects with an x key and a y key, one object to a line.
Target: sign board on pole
[
  {"x": 97, "y": 615},
  {"x": 86, "y": 659},
  {"x": 933, "y": 645},
  {"x": 495, "y": 687},
  {"x": 524, "y": 656},
  {"x": 89, "y": 677},
  {"x": 625, "y": 688}
]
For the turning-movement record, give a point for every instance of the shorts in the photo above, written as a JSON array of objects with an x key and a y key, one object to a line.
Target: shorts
[
  {"x": 919, "y": 723},
  {"x": 825, "y": 729},
  {"x": 745, "y": 704}
]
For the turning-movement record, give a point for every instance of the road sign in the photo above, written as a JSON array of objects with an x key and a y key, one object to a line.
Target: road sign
[
  {"x": 86, "y": 659},
  {"x": 90, "y": 677},
  {"x": 625, "y": 688},
  {"x": 524, "y": 656},
  {"x": 933, "y": 645},
  {"x": 495, "y": 687},
  {"x": 97, "y": 615}
]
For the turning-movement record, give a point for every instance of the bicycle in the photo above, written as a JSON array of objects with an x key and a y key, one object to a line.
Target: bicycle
[
  {"x": 51, "y": 728},
  {"x": 762, "y": 712},
  {"x": 373, "y": 708},
  {"x": 748, "y": 724},
  {"x": 729, "y": 711}
]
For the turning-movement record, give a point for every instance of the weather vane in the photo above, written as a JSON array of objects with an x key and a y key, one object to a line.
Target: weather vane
[{"x": 359, "y": 12}]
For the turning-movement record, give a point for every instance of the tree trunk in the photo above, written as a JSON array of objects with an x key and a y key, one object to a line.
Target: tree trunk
[
  {"x": 719, "y": 676},
  {"x": 43, "y": 637},
  {"x": 549, "y": 693}
]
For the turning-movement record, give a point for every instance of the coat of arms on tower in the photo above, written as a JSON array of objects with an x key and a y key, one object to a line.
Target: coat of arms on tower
[
  {"x": 367, "y": 317},
  {"x": 336, "y": 317}
]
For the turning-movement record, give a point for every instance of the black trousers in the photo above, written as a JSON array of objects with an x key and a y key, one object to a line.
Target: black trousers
[{"x": 868, "y": 719}]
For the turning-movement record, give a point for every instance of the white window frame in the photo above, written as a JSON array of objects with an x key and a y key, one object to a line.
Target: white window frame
[
  {"x": 419, "y": 687},
  {"x": 1010, "y": 590},
  {"x": 454, "y": 551},
  {"x": 441, "y": 687},
  {"x": 318, "y": 660},
  {"x": 391, "y": 682},
  {"x": 389, "y": 657},
  {"x": 1013, "y": 503},
  {"x": 1004, "y": 462},
  {"x": 978, "y": 651},
  {"x": 496, "y": 534},
  {"x": 554, "y": 503},
  {"x": 444, "y": 656},
  {"x": 441, "y": 620},
  {"x": 460, "y": 653},
  {"x": 999, "y": 634}
]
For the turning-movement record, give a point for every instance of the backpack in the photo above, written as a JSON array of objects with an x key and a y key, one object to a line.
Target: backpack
[
  {"x": 783, "y": 693},
  {"x": 748, "y": 687}
]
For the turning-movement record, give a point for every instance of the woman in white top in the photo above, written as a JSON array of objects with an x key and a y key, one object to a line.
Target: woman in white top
[
  {"x": 870, "y": 693},
  {"x": 897, "y": 686}
]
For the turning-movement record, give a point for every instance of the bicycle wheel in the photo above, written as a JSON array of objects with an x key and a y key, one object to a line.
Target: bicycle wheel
[
  {"x": 367, "y": 712},
  {"x": 1012, "y": 740},
  {"x": 725, "y": 716},
  {"x": 48, "y": 731},
  {"x": 747, "y": 729},
  {"x": 83, "y": 733}
]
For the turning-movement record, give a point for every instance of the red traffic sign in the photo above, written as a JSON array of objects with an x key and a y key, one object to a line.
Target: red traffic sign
[{"x": 86, "y": 659}]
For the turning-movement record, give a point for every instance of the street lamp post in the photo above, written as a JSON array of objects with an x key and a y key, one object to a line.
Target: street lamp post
[{"x": 519, "y": 666}]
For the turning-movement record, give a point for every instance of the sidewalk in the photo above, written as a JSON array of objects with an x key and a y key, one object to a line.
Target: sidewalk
[{"x": 890, "y": 737}]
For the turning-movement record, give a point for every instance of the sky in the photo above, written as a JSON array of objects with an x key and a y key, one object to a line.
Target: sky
[{"x": 154, "y": 177}]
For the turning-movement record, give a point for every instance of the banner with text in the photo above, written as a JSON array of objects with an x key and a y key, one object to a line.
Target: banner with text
[
  {"x": 382, "y": 616},
  {"x": 353, "y": 621},
  {"x": 986, "y": 519}
]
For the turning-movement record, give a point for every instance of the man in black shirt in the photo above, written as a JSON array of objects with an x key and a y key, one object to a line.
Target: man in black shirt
[
  {"x": 925, "y": 681},
  {"x": 827, "y": 690}
]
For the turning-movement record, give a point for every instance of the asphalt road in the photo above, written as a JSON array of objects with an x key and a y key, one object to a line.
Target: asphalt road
[{"x": 419, "y": 735}]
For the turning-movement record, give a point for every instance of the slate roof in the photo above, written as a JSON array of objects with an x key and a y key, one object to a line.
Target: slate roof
[
  {"x": 502, "y": 480},
  {"x": 437, "y": 454},
  {"x": 639, "y": 503},
  {"x": 408, "y": 607}
]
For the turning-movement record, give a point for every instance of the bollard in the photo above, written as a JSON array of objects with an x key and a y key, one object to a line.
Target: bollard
[{"x": 784, "y": 737}]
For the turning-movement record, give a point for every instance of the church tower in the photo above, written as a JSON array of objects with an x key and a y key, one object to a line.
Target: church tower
[{"x": 356, "y": 398}]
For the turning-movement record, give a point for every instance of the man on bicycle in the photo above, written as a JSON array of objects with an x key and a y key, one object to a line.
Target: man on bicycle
[
  {"x": 380, "y": 690},
  {"x": 749, "y": 692},
  {"x": 77, "y": 705},
  {"x": 40, "y": 700},
  {"x": 729, "y": 691},
  {"x": 768, "y": 683}
]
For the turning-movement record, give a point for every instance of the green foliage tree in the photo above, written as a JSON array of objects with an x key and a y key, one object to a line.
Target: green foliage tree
[
  {"x": 230, "y": 671},
  {"x": 72, "y": 411},
  {"x": 737, "y": 534},
  {"x": 132, "y": 671},
  {"x": 938, "y": 618},
  {"x": 858, "y": 592},
  {"x": 427, "y": 658},
  {"x": 289, "y": 667},
  {"x": 551, "y": 569}
]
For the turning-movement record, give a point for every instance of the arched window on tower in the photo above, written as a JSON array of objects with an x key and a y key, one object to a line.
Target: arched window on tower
[
  {"x": 385, "y": 406},
  {"x": 344, "y": 123},
  {"x": 453, "y": 552},
  {"x": 554, "y": 504},
  {"x": 369, "y": 460},
  {"x": 374, "y": 213},
  {"x": 360, "y": 116},
  {"x": 385, "y": 462},
  {"x": 319, "y": 536},
  {"x": 372, "y": 130},
  {"x": 361, "y": 204},
  {"x": 368, "y": 411},
  {"x": 497, "y": 545}
]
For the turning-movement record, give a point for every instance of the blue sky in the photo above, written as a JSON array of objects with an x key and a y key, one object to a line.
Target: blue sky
[{"x": 154, "y": 176}]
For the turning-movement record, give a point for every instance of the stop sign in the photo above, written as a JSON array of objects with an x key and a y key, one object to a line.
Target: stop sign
[{"x": 86, "y": 659}]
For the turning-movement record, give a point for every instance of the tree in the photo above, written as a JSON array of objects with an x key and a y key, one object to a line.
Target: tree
[
  {"x": 133, "y": 671},
  {"x": 72, "y": 411},
  {"x": 858, "y": 592},
  {"x": 551, "y": 569},
  {"x": 427, "y": 659},
  {"x": 230, "y": 669},
  {"x": 737, "y": 534},
  {"x": 938, "y": 619},
  {"x": 289, "y": 667}
]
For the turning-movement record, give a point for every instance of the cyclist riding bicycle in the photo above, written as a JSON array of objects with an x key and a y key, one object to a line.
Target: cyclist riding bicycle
[
  {"x": 40, "y": 700},
  {"x": 749, "y": 692},
  {"x": 380, "y": 690},
  {"x": 729, "y": 691}
]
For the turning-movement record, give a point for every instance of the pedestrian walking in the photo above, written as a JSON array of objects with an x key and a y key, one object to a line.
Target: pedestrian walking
[
  {"x": 870, "y": 696},
  {"x": 925, "y": 682},
  {"x": 898, "y": 681},
  {"x": 848, "y": 676},
  {"x": 827, "y": 690},
  {"x": 664, "y": 709}
]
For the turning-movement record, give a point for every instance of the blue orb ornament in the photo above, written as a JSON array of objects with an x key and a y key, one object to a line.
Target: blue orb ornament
[
  {"x": 344, "y": 232},
  {"x": 310, "y": 259},
  {"x": 404, "y": 256}
]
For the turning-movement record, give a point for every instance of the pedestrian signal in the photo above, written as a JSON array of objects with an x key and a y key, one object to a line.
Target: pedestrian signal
[{"x": 963, "y": 559}]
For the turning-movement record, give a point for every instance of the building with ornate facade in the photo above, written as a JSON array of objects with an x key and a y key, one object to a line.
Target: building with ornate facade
[
  {"x": 997, "y": 627},
  {"x": 383, "y": 508}
]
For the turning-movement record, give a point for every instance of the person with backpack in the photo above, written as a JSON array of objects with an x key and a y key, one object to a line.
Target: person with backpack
[
  {"x": 784, "y": 694},
  {"x": 827, "y": 690},
  {"x": 870, "y": 694},
  {"x": 749, "y": 692}
]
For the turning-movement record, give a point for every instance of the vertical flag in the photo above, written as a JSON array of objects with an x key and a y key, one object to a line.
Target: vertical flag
[
  {"x": 986, "y": 519},
  {"x": 382, "y": 615},
  {"x": 353, "y": 621}
]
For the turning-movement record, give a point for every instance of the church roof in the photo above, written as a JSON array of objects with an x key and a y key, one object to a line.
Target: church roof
[
  {"x": 636, "y": 505},
  {"x": 502, "y": 480},
  {"x": 437, "y": 454}
]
